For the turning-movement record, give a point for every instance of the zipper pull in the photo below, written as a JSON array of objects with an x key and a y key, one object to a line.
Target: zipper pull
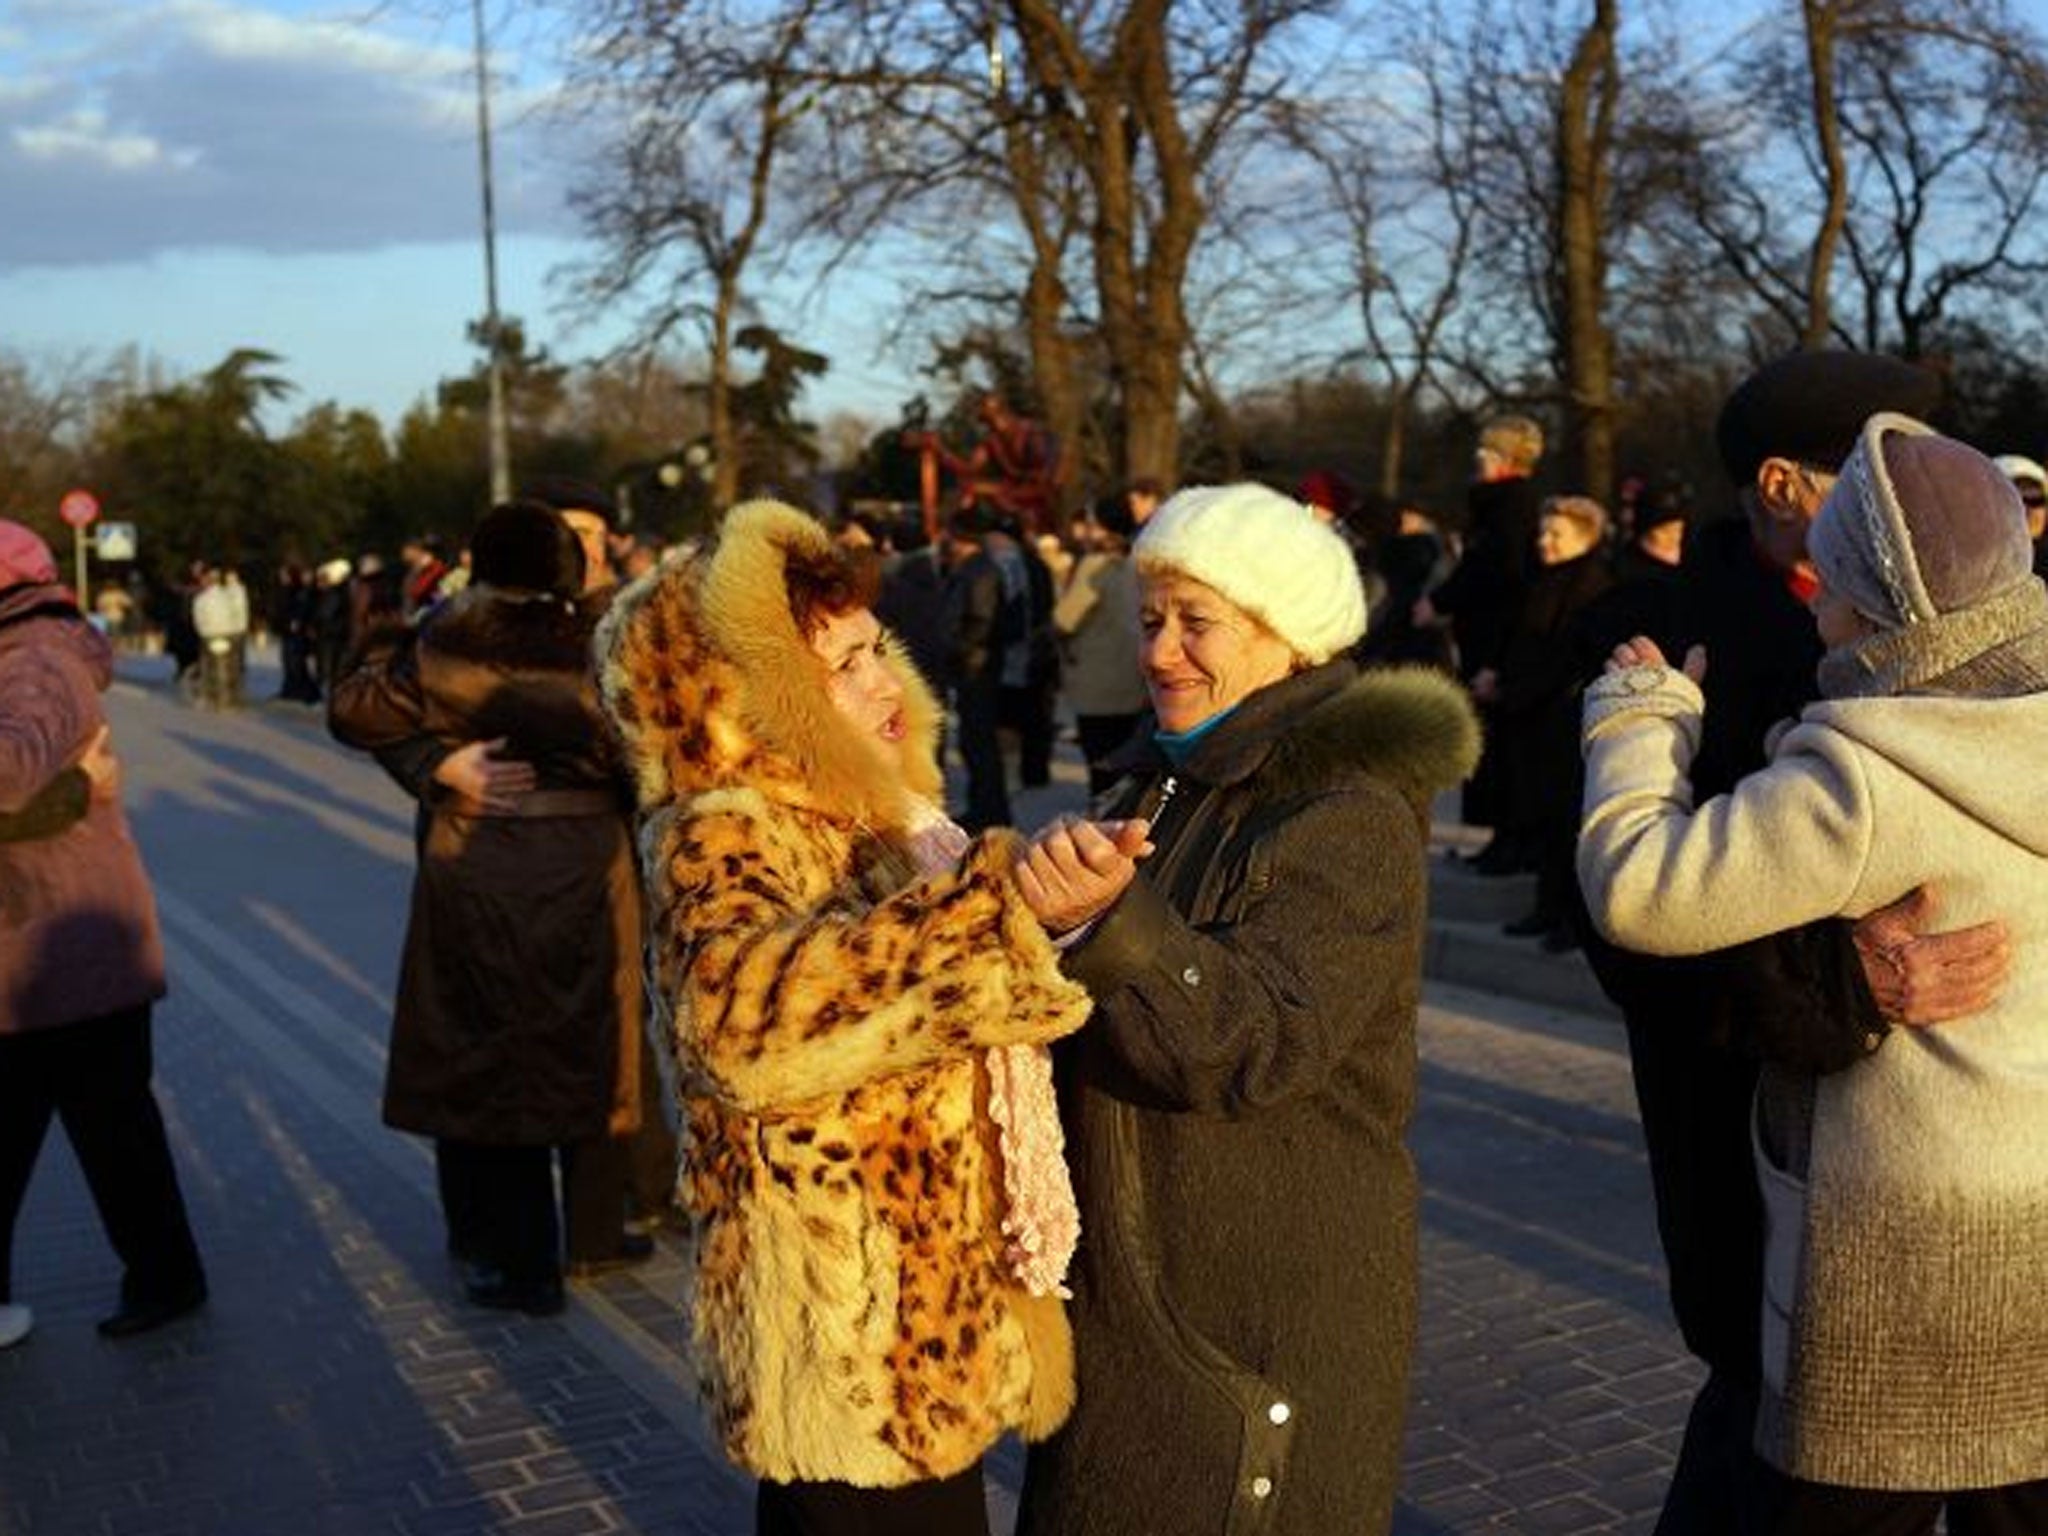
[{"x": 1167, "y": 791}]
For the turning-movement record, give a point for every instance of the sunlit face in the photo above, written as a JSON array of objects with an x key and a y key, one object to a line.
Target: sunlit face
[
  {"x": 2034, "y": 497},
  {"x": 591, "y": 533},
  {"x": 861, "y": 688},
  {"x": 1559, "y": 539},
  {"x": 1837, "y": 620},
  {"x": 1201, "y": 653}
]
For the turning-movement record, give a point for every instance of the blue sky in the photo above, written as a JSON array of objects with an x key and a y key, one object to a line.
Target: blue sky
[{"x": 189, "y": 176}]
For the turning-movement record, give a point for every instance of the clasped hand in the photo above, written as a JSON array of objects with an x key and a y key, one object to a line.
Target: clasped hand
[
  {"x": 1642, "y": 651},
  {"x": 1074, "y": 870}
]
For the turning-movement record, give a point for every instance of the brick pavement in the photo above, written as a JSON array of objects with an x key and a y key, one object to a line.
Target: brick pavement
[{"x": 335, "y": 1385}]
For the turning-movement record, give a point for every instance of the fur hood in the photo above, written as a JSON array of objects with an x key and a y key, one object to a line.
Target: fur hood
[{"x": 711, "y": 685}]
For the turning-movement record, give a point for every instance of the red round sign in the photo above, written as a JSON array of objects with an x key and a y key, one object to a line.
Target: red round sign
[{"x": 79, "y": 508}]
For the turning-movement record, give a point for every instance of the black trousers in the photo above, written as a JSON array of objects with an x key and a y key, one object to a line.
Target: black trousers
[
  {"x": 1816, "y": 1509},
  {"x": 1720, "y": 1487},
  {"x": 953, "y": 1506},
  {"x": 502, "y": 1211},
  {"x": 1029, "y": 712},
  {"x": 95, "y": 1077},
  {"x": 977, "y": 706}
]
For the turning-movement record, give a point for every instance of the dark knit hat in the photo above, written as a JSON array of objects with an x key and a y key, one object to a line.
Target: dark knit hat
[
  {"x": 565, "y": 493},
  {"x": 1809, "y": 407},
  {"x": 525, "y": 546}
]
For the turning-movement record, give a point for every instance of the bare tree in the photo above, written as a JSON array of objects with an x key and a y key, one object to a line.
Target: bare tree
[
  {"x": 706, "y": 102},
  {"x": 1404, "y": 193},
  {"x": 1877, "y": 167},
  {"x": 1951, "y": 142}
]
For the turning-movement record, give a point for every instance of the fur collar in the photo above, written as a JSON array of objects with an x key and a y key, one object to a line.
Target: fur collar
[
  {"x": 1411, "y": 728},
  {"x": 511, "y": 631},
  {"x": 711, "y": 686}
]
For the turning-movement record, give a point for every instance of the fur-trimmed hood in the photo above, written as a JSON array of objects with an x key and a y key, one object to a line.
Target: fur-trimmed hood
[{"x": 703, "y": 671}]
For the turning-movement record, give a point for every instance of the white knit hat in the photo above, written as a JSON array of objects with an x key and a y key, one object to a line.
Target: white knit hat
[
  {"x": 1272, "y": 557},
  {"x": 2017, "y": 467}
]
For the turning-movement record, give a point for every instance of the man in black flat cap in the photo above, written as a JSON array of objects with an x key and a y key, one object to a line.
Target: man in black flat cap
[{"x": 1818, "y": 998}]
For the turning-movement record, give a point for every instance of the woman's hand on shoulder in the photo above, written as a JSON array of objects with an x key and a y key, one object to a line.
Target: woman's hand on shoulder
[{"x": 1074, "y": 870}]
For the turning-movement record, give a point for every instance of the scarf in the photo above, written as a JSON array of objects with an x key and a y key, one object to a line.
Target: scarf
[
  {"x": 1992, "y": 649},
  {"x": 1041, "y": 1221}
]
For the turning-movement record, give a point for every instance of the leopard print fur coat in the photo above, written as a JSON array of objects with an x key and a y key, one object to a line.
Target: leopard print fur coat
[{"x": 853, "y": 1319}]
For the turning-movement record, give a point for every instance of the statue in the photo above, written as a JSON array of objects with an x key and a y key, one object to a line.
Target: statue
[{"x": 1014, "y": 468}]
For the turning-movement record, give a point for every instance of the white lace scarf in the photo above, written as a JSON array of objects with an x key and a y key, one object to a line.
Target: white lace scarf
[{"x": 1041, "y": 1222}]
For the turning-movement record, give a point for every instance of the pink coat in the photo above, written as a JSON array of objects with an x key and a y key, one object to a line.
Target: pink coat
[{"x": 78, "y": 928}]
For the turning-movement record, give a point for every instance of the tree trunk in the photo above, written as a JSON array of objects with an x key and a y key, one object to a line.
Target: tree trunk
[
  {"x": 1108, "y": 112},
  {"x": 1394, "y": 444},
  {"x": 1586, "y": 102},
  {"x": 1820, "y": 17},
  {"x": 725, "y": 447},
  {"x": 1052, "y": 372}
]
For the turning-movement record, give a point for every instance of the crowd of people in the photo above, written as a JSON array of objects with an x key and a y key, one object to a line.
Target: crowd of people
[{"x": 1096, "y": 1133}]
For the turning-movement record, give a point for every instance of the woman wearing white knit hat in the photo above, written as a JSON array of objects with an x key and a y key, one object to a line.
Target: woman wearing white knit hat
[
  {"x": 2031, "y": 481},
  {"x": 1245, "y": 1297}
]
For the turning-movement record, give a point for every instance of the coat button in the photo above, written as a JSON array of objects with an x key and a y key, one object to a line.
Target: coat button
[
  {"x": 1279, "y": 1413},
  {"x": 1192, "y": 975},
  {"x": 1262, "y": 1487}
]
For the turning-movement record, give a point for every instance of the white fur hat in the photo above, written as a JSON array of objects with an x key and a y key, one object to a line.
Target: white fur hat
[{"x": 1272, "y": 557}]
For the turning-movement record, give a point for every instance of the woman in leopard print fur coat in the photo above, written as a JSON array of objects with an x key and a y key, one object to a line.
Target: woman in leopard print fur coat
[{"x": 849, "y": 985}]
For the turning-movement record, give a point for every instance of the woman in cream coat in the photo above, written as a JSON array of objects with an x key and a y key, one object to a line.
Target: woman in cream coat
[{"x": 1905, "y": 1342}]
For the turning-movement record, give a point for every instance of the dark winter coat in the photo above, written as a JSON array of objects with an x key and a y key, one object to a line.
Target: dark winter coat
[
  {"x": 519, "y": 998},
  {"x": 1482, "y": 596},
  {"x": 1244, "y": 1303},
  {"x": 982, "y": 621},
  {"x": 1698, "y": 1026},
  {"x": 1536, "y": 712},
  {"x": 78, "y": 927}
]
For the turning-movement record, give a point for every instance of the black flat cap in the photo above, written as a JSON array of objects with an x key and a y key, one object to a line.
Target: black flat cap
[{"x": 1809, "y": 407}]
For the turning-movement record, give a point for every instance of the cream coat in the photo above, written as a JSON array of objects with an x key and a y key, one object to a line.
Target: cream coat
[{"x": 1905, "y": 1334}]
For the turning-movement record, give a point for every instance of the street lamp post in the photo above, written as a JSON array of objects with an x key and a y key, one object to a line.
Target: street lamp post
[{"x": 500, "y": 438}]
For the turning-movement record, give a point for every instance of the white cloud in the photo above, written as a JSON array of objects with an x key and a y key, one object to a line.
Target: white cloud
[
  {"x": 85, "y": 136},
  {"x": 130, "y": 129}
]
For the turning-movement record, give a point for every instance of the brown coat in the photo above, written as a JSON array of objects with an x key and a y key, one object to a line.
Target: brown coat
[
  {"x": 853, "y": 1319},
  {"x": 519, "y": 998}
]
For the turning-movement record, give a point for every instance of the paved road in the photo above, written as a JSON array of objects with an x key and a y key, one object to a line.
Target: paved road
[{"x": 336, "y": 1385}]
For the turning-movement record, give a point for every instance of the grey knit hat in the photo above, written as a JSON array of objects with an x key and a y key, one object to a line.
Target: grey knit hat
[{"x": 1926, "y": 538}]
